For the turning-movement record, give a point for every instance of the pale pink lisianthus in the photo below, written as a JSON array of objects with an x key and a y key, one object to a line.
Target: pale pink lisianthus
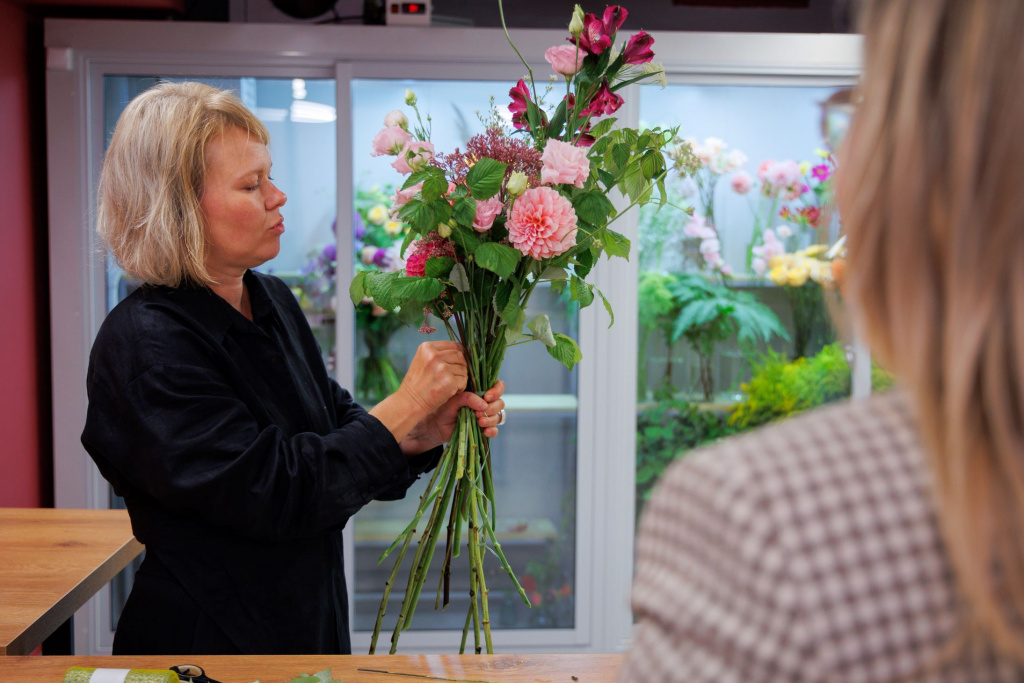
[
  {"x": 741, "y": 182},
  {"x": 486, "y": 212},
  {"x": 414, "y": 155},
  {"x": 565, "y": 59},
  {"x": 402, "y": 197},
  {"x": 564, "y": 163},
  {"x": 390, "y": 141},
  {"x": 542, "y": 223},
  {"x": 396, "y": 119}
]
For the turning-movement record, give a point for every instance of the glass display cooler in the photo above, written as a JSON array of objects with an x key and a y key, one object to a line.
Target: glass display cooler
[{"x": 566, "y": 461}]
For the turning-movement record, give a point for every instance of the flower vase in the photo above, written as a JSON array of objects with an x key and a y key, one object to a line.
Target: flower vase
[
  {"x": 376, "y": 376},
  {"x": 811, "y": 322}
]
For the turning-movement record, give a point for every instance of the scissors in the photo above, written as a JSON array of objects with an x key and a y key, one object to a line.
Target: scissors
[{"x": 192, "y": 673}]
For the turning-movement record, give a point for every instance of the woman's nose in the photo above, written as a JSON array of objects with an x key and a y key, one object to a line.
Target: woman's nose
[{"x": 276, "y": 198}]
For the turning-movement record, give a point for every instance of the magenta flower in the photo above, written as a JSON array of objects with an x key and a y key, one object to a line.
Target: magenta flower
[
  {"x": 598, "y": 34},
  {"x": 421, "y": 250},
  {"x": 520, "y": 95},
  {"x": 822, "y": 172},
  {"x": 604, "y": 102},
  {"x": 613, "y": 18},
  {"x": 542, "y": 223},
  {"x": 638, "y": 49}
]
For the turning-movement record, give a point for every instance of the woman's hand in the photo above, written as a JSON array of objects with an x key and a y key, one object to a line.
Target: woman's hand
[
  {"x": 437, "y": 428},
  {"x": 437, "y": 374}
]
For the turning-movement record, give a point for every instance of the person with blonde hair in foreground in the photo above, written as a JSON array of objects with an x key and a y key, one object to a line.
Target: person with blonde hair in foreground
[
  {"x": 210, "y": 409},
  {"x": 880, "y": 540}
]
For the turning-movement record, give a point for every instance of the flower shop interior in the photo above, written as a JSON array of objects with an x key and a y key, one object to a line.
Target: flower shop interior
[{"x": 725, "y": 316}]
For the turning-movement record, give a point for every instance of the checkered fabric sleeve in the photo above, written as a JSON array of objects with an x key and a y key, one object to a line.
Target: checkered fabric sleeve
[{"x": 805, "y": 551}]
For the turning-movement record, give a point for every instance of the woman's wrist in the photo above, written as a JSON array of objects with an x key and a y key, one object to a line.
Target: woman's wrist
[{"x": 400, "y": 415}]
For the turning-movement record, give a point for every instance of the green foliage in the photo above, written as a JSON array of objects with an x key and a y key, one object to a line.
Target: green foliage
[
  {"x": 780, "y": 388},
  {"x": 667, "y": 431},
  {"x": 710, "y": 314}
]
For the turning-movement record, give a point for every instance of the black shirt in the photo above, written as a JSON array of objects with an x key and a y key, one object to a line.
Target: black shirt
[{"x": 239, "y": 459}]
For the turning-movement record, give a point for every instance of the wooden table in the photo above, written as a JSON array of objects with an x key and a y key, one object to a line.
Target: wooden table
[
  {"x": 350, "y": 669},
  {"x": 51, "y": 563}
]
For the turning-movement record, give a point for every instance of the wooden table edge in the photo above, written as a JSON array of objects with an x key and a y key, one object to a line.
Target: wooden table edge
[{"x": 64, "y": 608}]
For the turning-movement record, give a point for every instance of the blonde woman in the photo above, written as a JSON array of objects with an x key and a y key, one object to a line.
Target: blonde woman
[
  {"x": 882, "y": 540},
  {"x": 210, "y": 409}
]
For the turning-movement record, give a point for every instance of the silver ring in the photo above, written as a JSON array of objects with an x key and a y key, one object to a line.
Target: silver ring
[{"x": 501, "y": 418}]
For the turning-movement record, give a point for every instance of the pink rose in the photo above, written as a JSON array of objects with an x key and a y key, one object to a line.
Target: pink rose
[
  {"x": 390, "y": 141},
  {"x": 542, "y": 223},
  {"x": 565, "y": 59},
  {"x": 486, "y": 212},
  {"x": 413, "y": 156},
  {"x": 563, "y": 163},
  {"x": 742, "y": 182}
]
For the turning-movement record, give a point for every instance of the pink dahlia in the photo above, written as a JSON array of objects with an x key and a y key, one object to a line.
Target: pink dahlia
[
  {"x": 542, "y": 223},
  {"x": 421, "y": 250}
]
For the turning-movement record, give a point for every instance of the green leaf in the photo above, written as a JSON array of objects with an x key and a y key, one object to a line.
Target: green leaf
[
  {"x": 633, "y": 183},
  {"x": 541, "y": 328},
  {"x": 379, "y": 286},
  {"x": 416, "y": 177},
  {"x": 458, "y": 278},
  {"x": 620, "y": 154},
  {"x": 464, "y": 211},
  {"x": 502, "y": 294},
  {"x": 565, "y": 351},
  {"x": 584, "y": 262},
  {"x": 557, "y": 121},
  {"x": 580, "y": 291},
  {"x": 420, "y": 216},
  {"x": 553, "y": 273},
  {"x": 484, "y": 179},
  {"x": 515, "y": 328},
  {"x": 434, "y": 188},
  {"x": 497, "y": 258},
  {"x": 607, "y": 307},
  {"x": 418, "y": 288},
  {"x": 615, "y": 244},
  {"x": 357, "y": 290},
  {"x": 439, "y": 266},
  {"x": 602, "y": 127},
  {"x": 409, "y": 237},
  {"x": 593, "y": 207},
  {"x": 465, "y": 238}
]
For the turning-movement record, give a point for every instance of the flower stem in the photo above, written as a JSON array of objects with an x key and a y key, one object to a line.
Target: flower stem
[{"x": 501, "y": 13}]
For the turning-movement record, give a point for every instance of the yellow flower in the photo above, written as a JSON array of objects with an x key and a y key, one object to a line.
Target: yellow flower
[
  {"x": 378, "y": 214},
  {"x": 823, "y": 153},
  {"x": 798, "y": 276},
  {"x": 813, "y": 250},
  {"x": 392, "y": 227},
  {"x": 805, "y": 167},
  {"x": 779, "y": 275}
]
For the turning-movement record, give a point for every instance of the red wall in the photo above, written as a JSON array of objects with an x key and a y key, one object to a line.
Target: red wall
[{"x": 22, "y": 471}]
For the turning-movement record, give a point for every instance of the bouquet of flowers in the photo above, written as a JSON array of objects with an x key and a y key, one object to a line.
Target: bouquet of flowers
[{"x": 487, "y": 226}]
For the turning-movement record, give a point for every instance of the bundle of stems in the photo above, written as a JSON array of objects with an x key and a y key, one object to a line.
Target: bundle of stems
[{"x": 461, "y": 489}]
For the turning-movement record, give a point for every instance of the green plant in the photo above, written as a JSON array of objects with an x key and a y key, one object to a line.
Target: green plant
[
  {"x": 667, "y": 431},
  {"x": 657, "y": 312},
  {"x": 780, "y": 388},
  {"x": 710, "y": 314}
]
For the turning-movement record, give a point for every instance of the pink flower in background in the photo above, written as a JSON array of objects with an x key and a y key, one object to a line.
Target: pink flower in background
[
  {"x": 565, "y": 59},
  {"x": 603, "y": 103},
  {"x": 638, "y": 49},
  {"x": 821, "y": 172},
  {"x": 766, "y": 251},
  {"x": 782, "y": 177},
  {"x": 390, "y": 141},
  {"x": 486, "y": 212},
  {"x": 542, "y": 223},
  {"x": 563, "y": 163},
  {"x": 741, "y": 182},
  {"x": 414, "y": 156},
  {"x": 698, "y": 227}
]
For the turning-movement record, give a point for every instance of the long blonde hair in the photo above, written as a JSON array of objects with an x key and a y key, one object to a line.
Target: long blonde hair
[
  {"x": 931, "y": 190},
  {"x": 149, "y": 213}
]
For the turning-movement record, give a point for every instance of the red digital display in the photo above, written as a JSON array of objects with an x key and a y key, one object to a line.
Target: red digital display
[{"x": 413, "y": 8}]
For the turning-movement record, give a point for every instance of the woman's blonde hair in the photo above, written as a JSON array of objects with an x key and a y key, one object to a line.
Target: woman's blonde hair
[
  {"x": 931, "y": 190},
  {"x": 153, "y": 176}
]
